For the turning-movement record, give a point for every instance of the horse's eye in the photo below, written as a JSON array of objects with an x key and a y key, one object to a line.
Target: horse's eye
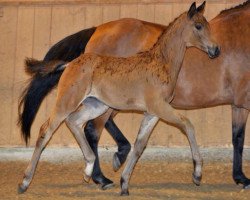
[{"x": 198, "y": 26}]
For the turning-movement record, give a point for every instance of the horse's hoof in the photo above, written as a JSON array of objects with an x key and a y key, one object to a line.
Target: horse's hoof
[
  {"x": 116, "y": 162},
  {"x": 197, "y": 180},
  {"x": 246, "y": 185},
  {"x": 124, "y": 193},
  {"x": 107, "y": 186},
  {"x": 21, "y": 189},
  {"x": 104, "y": 182}
]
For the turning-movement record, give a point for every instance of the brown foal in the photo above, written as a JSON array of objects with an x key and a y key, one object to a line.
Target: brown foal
[{"x": 145, "y": 82}]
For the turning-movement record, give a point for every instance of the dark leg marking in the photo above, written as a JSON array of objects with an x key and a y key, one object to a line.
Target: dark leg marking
[
  {"x": 97, "y": 175},
  {"x": 238, "y": 127},
  {"x": 124, "y": 146}
]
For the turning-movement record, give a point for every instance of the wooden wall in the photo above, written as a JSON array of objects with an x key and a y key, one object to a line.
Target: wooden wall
[{"x": 29, "y": 27}]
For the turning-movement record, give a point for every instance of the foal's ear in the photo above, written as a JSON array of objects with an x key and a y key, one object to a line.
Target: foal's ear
[
  {"x": 192, "y": 10},
  {"x": 201, "y": 8}
]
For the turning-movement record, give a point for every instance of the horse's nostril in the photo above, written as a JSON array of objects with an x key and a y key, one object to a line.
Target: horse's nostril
[{"x": 217, "y": 51}]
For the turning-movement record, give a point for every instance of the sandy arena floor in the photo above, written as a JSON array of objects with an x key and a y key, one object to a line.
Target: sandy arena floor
[{"x": 151, "y": 180}]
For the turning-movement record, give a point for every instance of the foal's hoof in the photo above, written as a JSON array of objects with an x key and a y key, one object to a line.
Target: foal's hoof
[
  {"x": 197, "y": 180},
  {"x": 21, "y": 189},
  {"x": 86, "y": 178},
  {"x": 124, "y": 193},
  {"x": 116, "y": 162}
]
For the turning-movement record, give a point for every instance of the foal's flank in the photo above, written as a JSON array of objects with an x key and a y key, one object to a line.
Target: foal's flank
[{"x": 145, "y": 82}]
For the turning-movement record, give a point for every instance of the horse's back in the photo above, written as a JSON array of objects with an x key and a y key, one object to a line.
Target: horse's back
[{"x": 124, "y": 37}]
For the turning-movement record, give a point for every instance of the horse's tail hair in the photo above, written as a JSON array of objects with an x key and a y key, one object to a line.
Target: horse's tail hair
[{"x": 45, "y": 77}]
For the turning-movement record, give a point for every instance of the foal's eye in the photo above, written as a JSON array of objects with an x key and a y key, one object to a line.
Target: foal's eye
[{"x": 198, "y": 26}]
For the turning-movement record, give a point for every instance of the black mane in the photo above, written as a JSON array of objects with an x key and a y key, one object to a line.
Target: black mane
[{"x": 236, "y": 7}]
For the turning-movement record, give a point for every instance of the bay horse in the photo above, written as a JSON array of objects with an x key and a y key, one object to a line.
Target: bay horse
[
  {"x": 145, "y": 82},
  {"x": 230, "y": 73}
]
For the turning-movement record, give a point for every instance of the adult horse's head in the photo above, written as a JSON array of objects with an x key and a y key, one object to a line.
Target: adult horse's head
[{"x": 197, "y": 32}]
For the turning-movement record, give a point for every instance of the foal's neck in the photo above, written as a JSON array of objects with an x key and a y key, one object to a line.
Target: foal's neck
[{"x": 171, "y": 47}]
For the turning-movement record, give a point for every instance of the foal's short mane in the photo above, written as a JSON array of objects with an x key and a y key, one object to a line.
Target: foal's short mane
[
  {"x": 236, "y": 7},
  {"x": 160, "y": 36}
]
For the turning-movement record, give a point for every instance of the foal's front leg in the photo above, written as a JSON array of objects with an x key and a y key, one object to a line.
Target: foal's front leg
[
  {"x": 147, "y": 125},
  {"x": 165, "y": 111}
]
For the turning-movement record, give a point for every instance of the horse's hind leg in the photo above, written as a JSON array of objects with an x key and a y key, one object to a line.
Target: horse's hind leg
[
  {"x": 90, "y": 109},
  {"x": 93, "y": 130},
  {"x": 123, "y": 144},
  {"x": 239, "y": 119},
  {"x": 45, "y": 134},
  {"x": 146, "y": 128}
]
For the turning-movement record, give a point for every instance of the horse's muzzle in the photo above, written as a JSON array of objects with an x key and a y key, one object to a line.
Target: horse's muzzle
[{"x": 213, "y": 52}]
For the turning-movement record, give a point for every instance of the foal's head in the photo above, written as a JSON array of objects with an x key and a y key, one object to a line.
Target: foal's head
[{"x": 197, "y": 31}]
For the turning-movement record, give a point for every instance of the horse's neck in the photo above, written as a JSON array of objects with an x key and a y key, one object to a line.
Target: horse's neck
[{"x": 170, "y": 49}]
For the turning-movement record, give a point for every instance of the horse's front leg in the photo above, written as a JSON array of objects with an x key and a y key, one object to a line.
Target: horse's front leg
[
  {"x": 146, "y": 128},
  {"x": 239, "y": 119}
]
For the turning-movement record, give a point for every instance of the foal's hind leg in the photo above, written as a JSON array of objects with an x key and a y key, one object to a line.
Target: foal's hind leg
[
  {"x": 91, "y": 109},
  {"x": 46, "y": 132},
  {"x": 239, "y": 119}
]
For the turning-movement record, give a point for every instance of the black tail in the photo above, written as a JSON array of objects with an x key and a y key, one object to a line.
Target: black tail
[{"x": 46, "y": 75}]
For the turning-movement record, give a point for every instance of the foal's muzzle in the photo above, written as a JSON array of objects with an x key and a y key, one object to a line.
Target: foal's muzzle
[{"x": 213, "y": 52}]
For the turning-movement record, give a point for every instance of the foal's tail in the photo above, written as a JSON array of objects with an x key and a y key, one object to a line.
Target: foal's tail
[{"x": 45, "y": 77}]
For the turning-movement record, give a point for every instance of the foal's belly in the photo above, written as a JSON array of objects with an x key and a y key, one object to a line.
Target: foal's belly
[{"x": 120, "y": 96}]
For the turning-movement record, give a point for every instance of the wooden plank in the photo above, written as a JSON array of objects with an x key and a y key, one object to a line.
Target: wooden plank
[
  {"x": 146, "y": 12},
  {"x": 213, "y": 9},
  {"x": 129, "y": 11},
  {"x": 163, "y": 13},
  {"x": 41, "y": 43},
  {"x": 111, "y": 12},
  {"x": 24, "y": 45},
  {"x": 8, "y": 27},
  {"x": 93, "y": 16}
]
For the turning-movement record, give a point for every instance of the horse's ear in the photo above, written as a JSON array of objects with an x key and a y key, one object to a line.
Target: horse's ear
[
  {"x": 192, "y": 10},
  {"x": 201, "y": 8}
]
